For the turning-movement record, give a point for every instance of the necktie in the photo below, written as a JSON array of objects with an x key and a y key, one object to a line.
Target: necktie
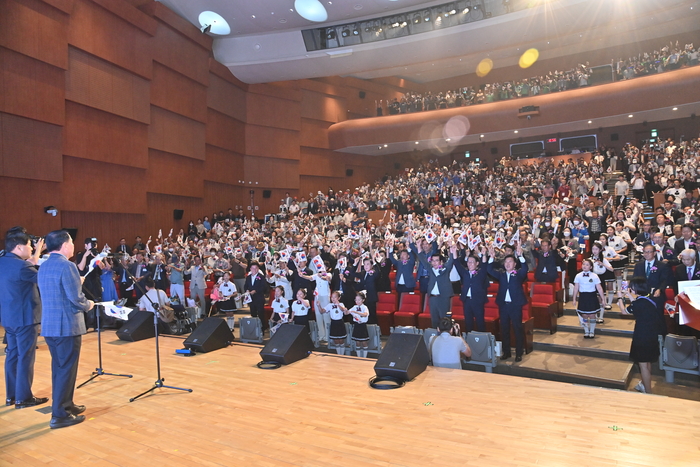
[
  {"x": 690, "y": 273},
  {"x": 648, "y": 268}
]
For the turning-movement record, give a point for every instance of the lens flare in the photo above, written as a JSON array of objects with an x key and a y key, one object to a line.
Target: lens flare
[
  {"x": 484, "y": 67},
  {"x": 529, "y": 58}
]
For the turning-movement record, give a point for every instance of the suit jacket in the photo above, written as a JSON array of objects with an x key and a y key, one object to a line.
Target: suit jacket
[
  {"x": 657, "y": 279},
  {"x": 198, "y": 279},
  {"x": 405, "y": 269},
  {"x": 258, "y": 286},
  {"x": 20, "y": 304},
  {"x": 348, "y": 287},
  {"x": 478, "y": 283},
  {"x": 679, "y": 246},
  {"x": 423, "y": 270},
  {"x": 62, "y": 298},
  {"x": 164, "y": 282},
  {"x": 681, "y": 274},
  {"x": 368, "y": 283},
  {"x": 549, "y": 263},
  {"x": 514, "y": 285},
  {"x": 119, "y": 272},
  {"x": 442, "y": 280}
]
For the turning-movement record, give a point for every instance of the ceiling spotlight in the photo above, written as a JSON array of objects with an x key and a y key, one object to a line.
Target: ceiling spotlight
[
  {"x": 675, "y": 108},
  {"x": 52, "y": 210},
  {"x": 516, "y": 131},
  {"x": 355, "y": 31},
  {"x": 311, "y": 10},
  {"x": 426, "y": 16},
  {"x": 590, "y": 121},
  {"x": 346, "y": 32},
  {"x": 481, "y": 136},
  {"x": 630, "y": 116},
  {"x": 417, "y": 19},
  {"x": 466, "y": 10},
  {"x": 417, "y": 142},
  {"x": 214, "y": 23},
  {"x": 448, "y": 139},
  {"x": 331, "y": 34}
]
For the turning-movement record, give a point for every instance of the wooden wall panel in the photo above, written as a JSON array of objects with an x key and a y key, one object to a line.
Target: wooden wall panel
[
  {"x": 33, "y": 196},
  {"x": 98, "y": 32},
  {"x": 179, "y": 53},
  {"x": 226, "y": 98},
  {"x": 35, "y": 29},
  {"x": 160, "y": 213},
  {"x": 174, "y": 175},
  {"x": 220, "y": 197},
  {"x": 223, "y": 166},
  {"x": 225, "y": 132},
  {"x": 321, "y": 162},
  {"x": 323, "y": 107},
  {"x": 101, "y": 136},
  {"x": 108, "y": 228},
  {"x": 96, "y": 83},
  {"x": 102, "y": 187},
  {"x": 175, "y": 92},
  {"x": 271, "y": 142},
  {"x": 314, "y": 133},
  {"x": 269, "y": 173},
  {"x": 272, "y": 111},
  {"x": 174, "y": 133},
  {"x": 30, "y": 149},
  {"x": 31, "y": 88}
]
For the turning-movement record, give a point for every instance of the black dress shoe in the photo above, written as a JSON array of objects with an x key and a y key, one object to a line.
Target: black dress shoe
[
  {"x": 31, "y": 402},
  {"x": 505, "y": 356},
  {"x": 66, "y": 421},
  {"x": 518, "y": 358},
  {"x": 9, "y": 402},
  {"x": 76, "y": 409}
]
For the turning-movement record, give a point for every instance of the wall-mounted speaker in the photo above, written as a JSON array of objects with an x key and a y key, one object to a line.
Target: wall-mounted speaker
[
  {"x": 644, "y": 123},
  {"x": 349, "y": 172},
  {"x": 692, "y": 116},
  {"x": 494, "y": 150},
  {"x": 177, "y": 214},
  {"x": 397, "y": 166},
  {"x": 267, "y": 193},
  {"x": 614, "y": 136},
  {"x": 362, "y": 94}
]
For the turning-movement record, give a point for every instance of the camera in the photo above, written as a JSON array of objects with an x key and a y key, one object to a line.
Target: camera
[
  {"x": 34, "y": 239},
  {"x": 455, "y": 330}
]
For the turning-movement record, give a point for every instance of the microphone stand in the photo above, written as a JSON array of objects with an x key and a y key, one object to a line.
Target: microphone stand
[
  {"x": 99, "y": 371},
  {"x": 159, "y": 381}
]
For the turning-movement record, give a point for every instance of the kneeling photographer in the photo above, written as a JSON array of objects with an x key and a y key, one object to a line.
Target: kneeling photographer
[{"x": 447, "y": 348}]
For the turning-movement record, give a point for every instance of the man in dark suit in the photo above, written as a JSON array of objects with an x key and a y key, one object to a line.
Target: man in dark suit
[
  {"x": 140, "y": 270},
  {"x": 439, "y": 285},
  {"x": 688, "y": 269},
  {"x": 426, "y": 251},
  {"x": 20, "y": 314},
  {"x": 474, "y": 287},
  {"x": 160, "y": 275},
  {"x": 688, "y": 240},
  {"x": 121, "y": 270},
  {"x": 344, "y": 281},
  {"x": 405, "y": 281},
  {"x": 657, "y": 275},
  {"x": 510, "y": 300},
  {"x": 62, "y": 325},
  {"x": 367, "y": 281},
  {"x": 122, "y": 248},
  {"x": 255, "y": 286},
  {"x": 546, "y": 269}
]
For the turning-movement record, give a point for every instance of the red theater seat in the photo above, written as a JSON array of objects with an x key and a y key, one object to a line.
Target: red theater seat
[
  {"x": 409, "y": 308},
  {"x": 386, "y": 307},
  {"x": 544, "y": 306}
]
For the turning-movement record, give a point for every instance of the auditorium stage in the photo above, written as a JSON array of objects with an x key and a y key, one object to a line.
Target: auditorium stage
[{"x": 321, "y": 412}]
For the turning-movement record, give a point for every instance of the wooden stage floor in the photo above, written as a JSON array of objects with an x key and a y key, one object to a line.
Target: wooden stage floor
[{"x": 321, "y": 412}]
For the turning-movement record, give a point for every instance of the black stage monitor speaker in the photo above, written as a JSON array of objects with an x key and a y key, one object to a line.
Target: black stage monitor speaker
[
  {"x": 267, "y": 193},
  {"x": 349, "y": 172},
  {"x": 211, "y": 334},
  {"x": 138, "y": 328},
  {"x": 404, "y": 357},
  {"x": 177, "y": 214},
  {"x": 290, "y": 343}
]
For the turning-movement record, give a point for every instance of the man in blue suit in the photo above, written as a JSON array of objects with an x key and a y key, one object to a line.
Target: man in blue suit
[
  {"x": 657, "y": 275},
  {"x": 475, "y": 285},
  {"x": 62, "y": 325},
  {"x": 20, "y": 314},
  {"x": 427, "y": 252},
  {"x": 439, "y": 286},
  {"x": 510, "y": 299},
  {"x": 405, "y": 281}
]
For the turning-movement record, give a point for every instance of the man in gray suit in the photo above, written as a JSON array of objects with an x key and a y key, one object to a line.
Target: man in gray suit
[
  {"x": 62, "y": 325},
  {"x": 198, "y": 284},
  {"x": 439, "y": 285}
]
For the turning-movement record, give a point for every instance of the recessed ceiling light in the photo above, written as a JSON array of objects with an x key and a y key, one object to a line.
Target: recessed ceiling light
[
  {"x": 252, "y": 16},
  {"x": 416, "y": 142},
  {"x": 590, "y": 121},
  {"x": 481, "y": 136},
  {"x": 516, "y": 131},
  {"x": 292, "y": 10},
  {"x": 448, "y": 139},
  {"x": 630, "y": 116},
  {"x": 283, "y": 21},
  {"x": 385, "y": 145},
  {"x": 272, "y": 12},
  {"x": 358, "y": 7},
  {"x": 675, "y": 108}
]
